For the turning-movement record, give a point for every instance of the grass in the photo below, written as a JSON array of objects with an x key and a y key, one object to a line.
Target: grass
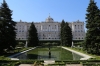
[
  {"x": 4, "y": 56},
  {"x": 96, "y": 57}
]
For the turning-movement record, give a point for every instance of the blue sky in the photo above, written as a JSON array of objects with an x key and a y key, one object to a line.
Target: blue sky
[{"x": 38, "y": 10}]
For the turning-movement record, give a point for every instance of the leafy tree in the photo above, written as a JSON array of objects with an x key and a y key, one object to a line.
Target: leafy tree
[
  {"x": 61, "y": 32},
  {"x": 33, "y": 36},
  {"x": 67, "y": 35},
  {"x": 92, "y": 41},
  {"x": 7, "y": 28}
]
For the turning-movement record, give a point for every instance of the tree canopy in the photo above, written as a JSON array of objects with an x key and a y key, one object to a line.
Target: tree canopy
[
  {"x": 7, "y": 28},
  {"x": 92, "y": 40},
  {"x": 33, "y": 36},
  {"x": 66, "y": 34}
]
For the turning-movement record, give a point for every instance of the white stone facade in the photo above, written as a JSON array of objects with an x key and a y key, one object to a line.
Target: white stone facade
[{"x": 49, "y": 30}]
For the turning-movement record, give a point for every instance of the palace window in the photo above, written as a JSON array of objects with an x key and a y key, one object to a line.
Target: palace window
[
  {"x": 78, "y": 26},
  {"x": 81, "y": 26},
  {"x": 75, "y": 26},
  {"x": 55, "y": 26},
  {"x": 81, "y": 31}
]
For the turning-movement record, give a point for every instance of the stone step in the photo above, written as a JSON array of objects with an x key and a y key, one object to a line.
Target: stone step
[
  {"x": 25, "y": 65},
  {"x": 74, "y": 65}
]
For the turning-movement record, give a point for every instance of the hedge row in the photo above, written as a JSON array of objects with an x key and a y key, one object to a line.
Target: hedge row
[
  {"x": 18, "y": 62},
  {"x": 59, "y": 63}
]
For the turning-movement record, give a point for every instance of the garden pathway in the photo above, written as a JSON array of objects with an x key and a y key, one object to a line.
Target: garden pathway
[
  {"x": 46, "y": 62},
  {"x": 74, "y": 65},
  {"x": 86, "y": 57},
  {"x": 25, "y": 65}
]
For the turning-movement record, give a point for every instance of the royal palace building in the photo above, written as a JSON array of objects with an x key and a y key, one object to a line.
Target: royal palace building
[{"x": 49, "y": 29}]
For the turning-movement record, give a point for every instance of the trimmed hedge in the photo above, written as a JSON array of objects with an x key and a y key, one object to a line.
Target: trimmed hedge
[
  {"x": 18, "y": 62},
  {"x": 57, "y": 63}
]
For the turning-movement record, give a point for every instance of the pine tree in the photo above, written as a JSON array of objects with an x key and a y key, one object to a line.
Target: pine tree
[
  {"x": 92, "y": 41},
  {"x": 33, "y": 36},
  {"x": 7, "y": 28},
  {"x": 61, "y": 31},
  {"x": 67, "y": 35}
]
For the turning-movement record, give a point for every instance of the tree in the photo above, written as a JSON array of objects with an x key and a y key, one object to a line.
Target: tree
[
  {"x": 33, "y": 36},
  {"x": 7, "y": 28},
  {"x": 92, "y": 41},
  {"x": 61, "y": 31},
  {"x": 67, "y": 35}
]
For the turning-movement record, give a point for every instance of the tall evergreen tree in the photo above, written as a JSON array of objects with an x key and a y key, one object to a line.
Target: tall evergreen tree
[
  {"x": 33, "y": 36},
  {"x": 61, "y": 31},
  {"x": 7, "y": 28},
  {"x": 92, "y": 41},
  {"x": 67, "y": 35}
]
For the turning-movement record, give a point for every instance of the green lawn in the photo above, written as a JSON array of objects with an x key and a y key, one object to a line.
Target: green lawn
[
  {"x": 96, "y": 57},
  {"x": 5, "y": 55}
]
